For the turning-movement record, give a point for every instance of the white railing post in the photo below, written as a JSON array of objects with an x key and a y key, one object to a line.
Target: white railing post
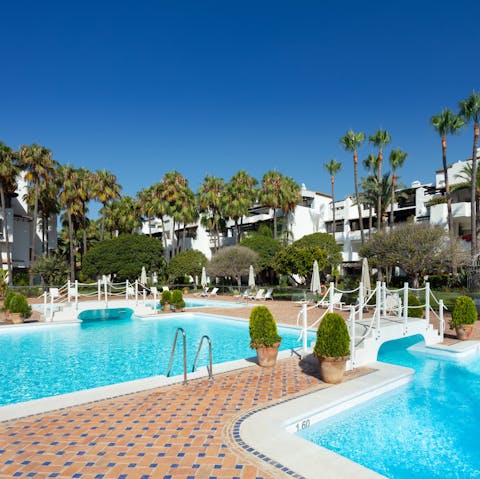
[
  {"x": 126, "y": 288},
  {"x": 105, "y": 291},
  {"x": 405, "y": 306},
  {"x": 442, "y": 321},
  {"x": 304, "y": 326},
  {"x": 136, "y": 292},
  {"x": 384, "y": 299},
  {"x": 352, "y": 336},
  {"x": 45, "y": 294},
  {"x": 361, "y": 300},
  {"x": 99, "y": 289},
  {"x": 155, "y": 299},
  {"x": 76, "y": 294},
  {"x": 378, "y": 293},
  {"x": 330, "y": 297},
  {"x": 144, "y": 295},
  {"x": 427, "y": 304},
  {"x": 51, "y": 307},
  {"x": 68, "y": 291}
]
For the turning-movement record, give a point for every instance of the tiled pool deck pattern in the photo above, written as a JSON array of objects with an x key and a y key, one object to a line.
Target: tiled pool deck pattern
[{"x": 178, "y": 432}]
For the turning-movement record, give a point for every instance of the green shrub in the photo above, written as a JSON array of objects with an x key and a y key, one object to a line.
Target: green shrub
[
  {"x": 414, "y": 312},
  {"x": 263, "y": 328},
  {"x": 333, "y": 340},
  {"x": 166, "y": 298},
  {"x": 8, "y": 298},
  {"x": 464, "y": 312},
  {"x": 177, "y": 299},
  {"x": 19, "y": 304}
]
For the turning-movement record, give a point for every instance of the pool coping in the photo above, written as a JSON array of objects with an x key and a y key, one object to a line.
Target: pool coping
[{"x": 266, "y": 432}]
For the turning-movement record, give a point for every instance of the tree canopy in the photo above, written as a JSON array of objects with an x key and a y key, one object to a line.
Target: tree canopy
[
  {"x": 124, "y": 257},
  {"x": 186, "y": 263},
  {"x": 265, "y": 246},
  {"x": 325, "y": 242},
  {"x": 232, "y": 261}
]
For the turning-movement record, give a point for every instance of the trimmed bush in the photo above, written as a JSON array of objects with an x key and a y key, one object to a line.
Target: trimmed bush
[
  {"x": 177, "y": 299},
  {"x": 19, "y": 304},
  {"x": 8, "y": 298},
  {"x": 333, "y": 340},
  {"x": 166, "y": 298},
  {"x": 414, "y": 312},
  {"x": 464, "y": 312},
  {"x": 263, "y": 328}
]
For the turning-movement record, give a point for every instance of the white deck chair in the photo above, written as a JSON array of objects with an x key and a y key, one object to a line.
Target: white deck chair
[
  {"x": 268, "y": 294},
  {"x": 130, "y": 291},
  {"x": 205, "y": 292},
  {"x": 213, "y": 292},
  {"x": 337, "y": 301},
  {"x": 393, "y": 304},
  {"x": 165, "y": 288},
  {"x": 260, "y": 295}
]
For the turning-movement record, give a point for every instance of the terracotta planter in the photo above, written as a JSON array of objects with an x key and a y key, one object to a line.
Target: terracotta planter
[
  {"x": 15, "y": 318},
  {"x": 267, "y": 355},
  {"x": 464, "y": 331},
  {"x": 332, "y": 369}
]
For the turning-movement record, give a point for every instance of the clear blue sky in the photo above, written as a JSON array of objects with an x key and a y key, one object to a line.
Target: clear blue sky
[{"x": 145, "y": 87}]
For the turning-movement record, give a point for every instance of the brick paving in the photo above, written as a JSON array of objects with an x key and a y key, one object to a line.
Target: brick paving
[{"x": 178, "y": 432}]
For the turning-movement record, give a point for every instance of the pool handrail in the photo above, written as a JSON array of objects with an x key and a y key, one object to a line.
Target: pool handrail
[
  {"x": 210, "y": 368},
  {"x": 184, "y": 354}
]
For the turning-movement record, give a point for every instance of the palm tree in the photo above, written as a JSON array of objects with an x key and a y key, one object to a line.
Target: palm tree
[
  {"x": 69, "y": 201},
  {"x": 380, "y": 139},
  {"x": 278, "y": 192},
  {"x": 210, "y": 200},
  {"x": 39, "y": 166},
  {"x": 351, "y": 142},
  {"x": 370, "y": 164},
  {"x": 470, "y": 111},
  {"x": 333, "y": 167},
  {"x": 239, "y": 197},
  {"x": 9, "y": 171},
  {"x": 396, "y": 160},
  {"x": 105, "y": 189},
  {"x": 447, "y": 123}
]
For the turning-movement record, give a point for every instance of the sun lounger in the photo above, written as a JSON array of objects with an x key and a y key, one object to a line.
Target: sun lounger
[
  {"x": 337, "y": 301},
  {"x": 260, "y": 295},
  {"x": 213, "y": 292},
  {"x": 268, "y": 294},
  {"x": 205, "y": 292}
]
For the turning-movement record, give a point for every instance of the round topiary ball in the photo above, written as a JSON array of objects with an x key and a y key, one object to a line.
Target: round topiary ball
[
  {"x": 333, "y": 340},
  {"x": 263, "y": 328}
]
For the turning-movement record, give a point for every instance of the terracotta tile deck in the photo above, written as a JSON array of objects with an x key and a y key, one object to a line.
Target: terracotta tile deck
[{"x": 178, "y": 432}]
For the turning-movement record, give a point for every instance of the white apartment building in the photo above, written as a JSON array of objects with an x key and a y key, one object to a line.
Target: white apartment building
[
  {"x": 314, "y": 214},
  {"x": 20, "y": 224}
]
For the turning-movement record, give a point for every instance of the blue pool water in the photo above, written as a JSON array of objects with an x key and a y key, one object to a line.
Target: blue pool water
[
  {"x": 41, "y": 361},
  {"x": 428, "y": 429}
]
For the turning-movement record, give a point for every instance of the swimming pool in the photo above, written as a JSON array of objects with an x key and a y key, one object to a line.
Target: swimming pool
[
  {"x": 47, "y": 360},
  {"x": 426, "y": 430}
]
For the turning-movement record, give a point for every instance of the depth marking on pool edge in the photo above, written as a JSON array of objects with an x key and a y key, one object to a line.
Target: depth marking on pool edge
[{"x": 237, "y": 438}]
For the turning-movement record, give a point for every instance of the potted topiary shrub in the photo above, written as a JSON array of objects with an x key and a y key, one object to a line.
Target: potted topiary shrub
[
  {"x": 332, "y": 348},
  {"x": 19, "y": 308},
  {"x": 264, "y": 336},
  {"x": 464, "y": 315},
  {"x": 166, "y": 300},
  {"x": 177, "y": 300},
  {"x": 415, "y": 311}
]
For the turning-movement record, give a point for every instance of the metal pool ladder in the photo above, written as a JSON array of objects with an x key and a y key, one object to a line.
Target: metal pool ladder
[
  {"x": 184, "y": 354},
  {"x": 210, "y": 369}
]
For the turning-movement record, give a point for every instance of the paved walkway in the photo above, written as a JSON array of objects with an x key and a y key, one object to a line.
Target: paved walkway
[{"x": 176, "y": 432}]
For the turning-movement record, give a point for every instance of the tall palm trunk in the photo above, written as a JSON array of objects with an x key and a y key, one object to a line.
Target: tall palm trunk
[
  {"x": 334, "y": 224},
  {"x": 447, "y": 187},
  {"x": 5, "y": 232},
  {"x": 357, "y": 196},
  {"x": 72, "y": 251},
  {"x": 34, "y": 233},
  {"x": 102, "y": 229},
  {"x": 392, "y": 198},
  {"x": 473, "y": 190},
  {"x": 370, "y": 221},
  {"x": 379, "y": 197},
  {"x": 274, "y": 223}
]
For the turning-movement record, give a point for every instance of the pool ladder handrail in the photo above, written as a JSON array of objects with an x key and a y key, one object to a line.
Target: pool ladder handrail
[
  {"x": 184, "y": 354},
  {"x": 210, "y": 367}
]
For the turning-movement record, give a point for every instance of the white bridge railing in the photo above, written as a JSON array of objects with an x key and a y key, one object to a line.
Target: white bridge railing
[
  {"x": 389, "y": 303},
  {"x": 72, "y": 291}
]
